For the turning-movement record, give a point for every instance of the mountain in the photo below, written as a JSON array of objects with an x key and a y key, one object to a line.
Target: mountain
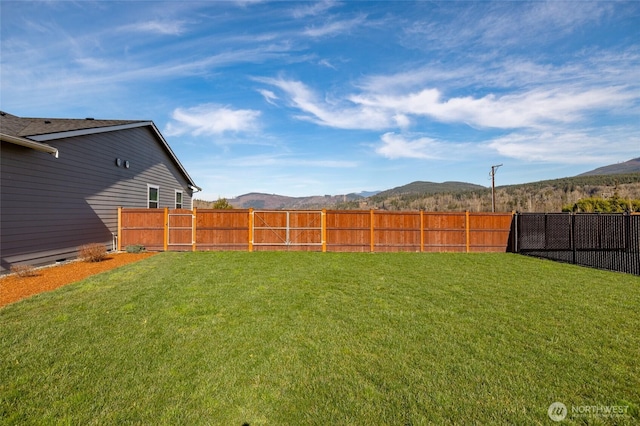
[
  {"x": 366, "y": 194},
  {"x": 631, "y": 166},
  {"x": 428, "y": 188},
  {"x": 263, "y": 201},
  {"x": 542, "y": 196}
]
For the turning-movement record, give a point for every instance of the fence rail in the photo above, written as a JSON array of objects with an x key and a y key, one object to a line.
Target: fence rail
[
  {"x": 604, "y": 241},
  {"x": 326, "y": 230}
]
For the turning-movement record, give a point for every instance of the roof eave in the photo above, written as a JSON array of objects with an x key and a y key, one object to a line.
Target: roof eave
[
  {"x": 38, "y": 146},
  {"x": 91, "y": 131},
  {"x": 174, "y": 157}
]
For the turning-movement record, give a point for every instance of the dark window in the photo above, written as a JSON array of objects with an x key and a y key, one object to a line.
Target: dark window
[{"x": 154, "y": 197}]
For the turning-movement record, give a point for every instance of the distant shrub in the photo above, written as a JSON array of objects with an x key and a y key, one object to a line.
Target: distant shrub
[
  {"x": 93, "y": 252},
  {"x": 222, "y": 204},
  {"x": 24, "y": 271},
  {"x": 613, "y": 204},
  {"x": 136, "y": 248}
]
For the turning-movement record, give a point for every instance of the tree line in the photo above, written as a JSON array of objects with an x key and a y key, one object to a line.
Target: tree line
[{"x": 581, "y": 193}]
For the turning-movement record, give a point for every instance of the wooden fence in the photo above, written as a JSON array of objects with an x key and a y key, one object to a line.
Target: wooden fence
[{"x": 326, "y": 230}]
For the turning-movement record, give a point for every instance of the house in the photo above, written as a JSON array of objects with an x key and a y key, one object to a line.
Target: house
[{"x": 62, "y": 180}]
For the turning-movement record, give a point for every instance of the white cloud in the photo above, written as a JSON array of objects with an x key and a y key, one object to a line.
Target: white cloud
[
  {"x": 330, "y": 114},
  {"x": 396, "y": 146},
  {"x": 312, "y": 9},
  {"x": 500, "y": 25},
  {"x": 247, "y": 3},
  {"x": 168, "y": 27},
  {"x": 334, "y": 28},
  {"x": 593, "y": 68},
  {"x": 268, "y": 96},
  {"x": 529, "y": 109},
  {"x": 28, "y": 78},
  {"x": 326, "y": 63},
  {"x": 570, "y": 147},
  {"x": 544, "y": 19},
  {"x": 402, "y": 121},
  {"x": 211, "y": 119}
]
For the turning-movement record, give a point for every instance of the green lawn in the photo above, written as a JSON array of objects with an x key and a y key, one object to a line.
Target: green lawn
[{"x": 312, "y": 338}]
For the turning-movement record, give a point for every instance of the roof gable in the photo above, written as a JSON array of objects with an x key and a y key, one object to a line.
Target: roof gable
[{"x": 25, "y": 130}]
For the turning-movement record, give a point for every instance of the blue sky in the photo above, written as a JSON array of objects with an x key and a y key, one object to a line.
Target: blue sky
[{"x": 314, "y": 98}]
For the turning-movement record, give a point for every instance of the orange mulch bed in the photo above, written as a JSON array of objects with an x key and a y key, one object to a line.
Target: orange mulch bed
[{"x": 14, "y": 288}]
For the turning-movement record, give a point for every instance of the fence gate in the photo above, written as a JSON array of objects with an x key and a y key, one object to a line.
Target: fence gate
[
  {"x": 299, "y": 230},
  {"x": 180, "y": 230}
]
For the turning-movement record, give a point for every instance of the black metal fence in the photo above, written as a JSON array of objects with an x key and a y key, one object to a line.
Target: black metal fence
[{"x": 604, "y": 241}]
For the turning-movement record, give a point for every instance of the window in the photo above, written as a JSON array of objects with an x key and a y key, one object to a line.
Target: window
[
  {"x": 153, "y": 199},
  {"x": 178, "y": 199}
]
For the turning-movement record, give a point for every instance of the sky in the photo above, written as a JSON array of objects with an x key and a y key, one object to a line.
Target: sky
[{"x": 315, "y": 98}]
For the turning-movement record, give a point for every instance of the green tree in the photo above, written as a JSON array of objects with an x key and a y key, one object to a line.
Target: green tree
[
  {"x": 222, "y": 204},
  {"x": 614, "y": 204}
]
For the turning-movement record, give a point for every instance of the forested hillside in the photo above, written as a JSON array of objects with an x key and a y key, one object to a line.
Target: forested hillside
[
  {"x": 420, "y": 187},
  {"x": 543, "y": 196},
  {"x": 631, "y": 166}
]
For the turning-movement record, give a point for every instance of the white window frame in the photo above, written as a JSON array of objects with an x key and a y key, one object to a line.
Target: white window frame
[
  {"x": 149, "y": 201},
  {"x": 177, "y": 191}
]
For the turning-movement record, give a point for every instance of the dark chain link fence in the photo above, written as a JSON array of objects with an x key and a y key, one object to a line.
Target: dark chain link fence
[{"x": 604, "y": 241}]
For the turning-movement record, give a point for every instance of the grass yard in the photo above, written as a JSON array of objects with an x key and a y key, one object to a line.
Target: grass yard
[{"x": 310, "y": 338}]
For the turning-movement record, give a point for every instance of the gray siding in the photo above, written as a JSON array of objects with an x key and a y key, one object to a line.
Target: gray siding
[{"x": 50, "y": 207}]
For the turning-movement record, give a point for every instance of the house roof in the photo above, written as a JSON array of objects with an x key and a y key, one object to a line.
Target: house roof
[
  {"x": 33, "y": 132},
  {"x": 26, "y": 127}
]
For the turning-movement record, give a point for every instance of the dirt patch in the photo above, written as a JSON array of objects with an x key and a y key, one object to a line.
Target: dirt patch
[{"x": 14, "y": 288}]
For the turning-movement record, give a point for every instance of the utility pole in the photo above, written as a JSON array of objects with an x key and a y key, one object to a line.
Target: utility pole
[{"x": 494, "y": 169}]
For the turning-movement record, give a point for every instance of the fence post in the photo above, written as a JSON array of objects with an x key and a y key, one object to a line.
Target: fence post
[
  {"x": 250, "y": 229},
  {"x": 165, "y": 242},
  {"x": 371, "y": 232},
  {"x": 119, "y": 247},
  {"x": 323, "y": 226},
  {"x": 194, "y": 222},
  {"x": 627, "y": 232},
  {"x": 421, "y": 231},
  {"x": 466, "y": 226},
  {"x": 573, "y": 239},
  {"x": 514, "y": 224}
]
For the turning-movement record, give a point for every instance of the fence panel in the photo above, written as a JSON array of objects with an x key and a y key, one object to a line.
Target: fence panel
[
  {"x": 396, "y": 231},
  {"x": 222, "y": 229},
  {"x": 305, "y": 229},
  {"x": 445, "y": 232},
  {"x": 490, "y": 232},
  {"x": 348, "y": 230},
  {"x": 531, "y": 232},
  {"x": 142, "y": 227},
  {"x": 180, "y": 232},
  {"x": 269, "y": 230},
  {"x": 604, "y": 241}
]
